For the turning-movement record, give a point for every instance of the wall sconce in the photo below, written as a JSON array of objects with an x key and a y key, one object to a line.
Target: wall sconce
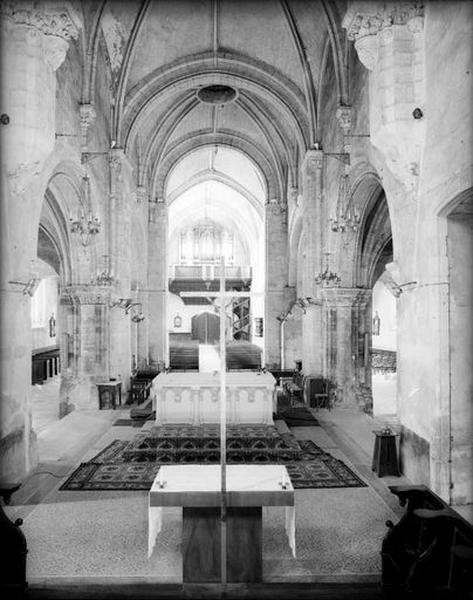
[
  {"x": 127, "y": 304},
  {"x": 136, "y": 317},
  {"x": 177, "y": 321},
  {"x": 29, "y": 287},
  {"x": 305, "y": 302},
  {"x": 124, "y": 303}
]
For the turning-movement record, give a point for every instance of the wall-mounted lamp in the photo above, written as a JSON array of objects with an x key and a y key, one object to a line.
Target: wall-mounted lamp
[
  {"x": 128, "y": 305},
  {"x": 305, "y": 302},
  {"x": 177, "y": 321},
  {"x": 124, "y": 303},
  {"x": 29, "y": 287}
]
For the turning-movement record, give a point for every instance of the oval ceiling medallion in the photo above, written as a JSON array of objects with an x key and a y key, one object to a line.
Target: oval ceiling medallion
[{"x": 216, "y": 94}]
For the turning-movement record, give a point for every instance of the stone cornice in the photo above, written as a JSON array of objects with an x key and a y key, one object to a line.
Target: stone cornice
[
  {"x": 340, "y": 296},
  {"x": 85, "y": 294},
  {"x": 53, "y": 18}
]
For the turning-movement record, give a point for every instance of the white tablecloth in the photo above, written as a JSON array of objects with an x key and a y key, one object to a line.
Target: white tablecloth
[{"x": 206, "y": 478}]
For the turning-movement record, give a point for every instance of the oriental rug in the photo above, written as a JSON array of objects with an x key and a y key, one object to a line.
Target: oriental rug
[{"x": 133, "y": 465}]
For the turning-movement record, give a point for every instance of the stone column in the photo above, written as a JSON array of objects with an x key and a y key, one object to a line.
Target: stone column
[
  {"x": 34, "y": 43},
  {"x": 314, "y": 221},
  {"x": 121, "y": 189},
  {"x": 276, "y": 279},
  {"x": 143, "y": 327},
  {"x": 86, "y": 344},
  {"x": 157, "y": 284},
  {"x": 346, "y": 350}
]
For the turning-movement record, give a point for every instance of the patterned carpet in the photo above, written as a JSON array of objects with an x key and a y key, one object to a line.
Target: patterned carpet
[{"x": 133, "y": 465}]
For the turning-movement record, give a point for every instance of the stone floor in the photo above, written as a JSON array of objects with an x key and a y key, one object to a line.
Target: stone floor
[{"x": 104, "y": 534}]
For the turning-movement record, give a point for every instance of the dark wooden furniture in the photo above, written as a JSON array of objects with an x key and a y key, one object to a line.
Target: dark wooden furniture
[
  {"x": 429, "y": 552},
  {"x": 242, "y": 355},
  {"x": 317, "y": 392},
  {"x": 139, "y": 394},
  {"x": 139, "y": 390},
  {"x": 314, "y": 391},
  {"x": 13, "y": 549},
  {"x": 110, "y": 394},
  {"x": 385, "y": 460},
  {"x": 201, "y": 544},
  {"x": 184, "y": 355},
  {"x": 45, "y": 363}
]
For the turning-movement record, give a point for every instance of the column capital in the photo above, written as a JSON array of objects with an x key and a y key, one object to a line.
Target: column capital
[
  {"x": 156, "y": 211},
  {"x": 56, "y": 18},
  {"x": 141, "y": 194},
  {"x": 313, "y": 160},
  {"x": 84, "y": 294},
  {"x": 345, "y": 115},
  {"x": 364, "y": 19}
]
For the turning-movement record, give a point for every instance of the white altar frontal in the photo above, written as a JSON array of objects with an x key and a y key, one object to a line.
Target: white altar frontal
[{"x": 194, "y": 398}]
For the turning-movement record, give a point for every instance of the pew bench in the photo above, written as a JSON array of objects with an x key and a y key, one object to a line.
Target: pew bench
[{"x": 429, "y": 552}]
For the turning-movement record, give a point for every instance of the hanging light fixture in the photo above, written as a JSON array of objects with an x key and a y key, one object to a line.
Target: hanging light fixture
[
  {"x": 85, "y": 224},
  {"x": 347, "y": 218},
  {"x": 327, "y": 277}
]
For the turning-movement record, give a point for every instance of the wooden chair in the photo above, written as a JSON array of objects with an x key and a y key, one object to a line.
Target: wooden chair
[{"x": 317, "y": 392}]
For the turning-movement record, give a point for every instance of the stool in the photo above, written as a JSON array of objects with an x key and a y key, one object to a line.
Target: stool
[{"x": 385, "y": 454}]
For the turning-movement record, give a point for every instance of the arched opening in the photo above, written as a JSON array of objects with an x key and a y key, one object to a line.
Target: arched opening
[
  {"x": 215, "y": 201},
  {"x": 374, "y": 259},
  {"x": 460, "y": 355},
  {"x": 45, "y": 336}
]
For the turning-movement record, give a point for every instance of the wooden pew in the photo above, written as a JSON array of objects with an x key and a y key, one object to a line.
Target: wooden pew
[
  {"x": 429, "y": 552},
  {"x": 44, "y": 364}
]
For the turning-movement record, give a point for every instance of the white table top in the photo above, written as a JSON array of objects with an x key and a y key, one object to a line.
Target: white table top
[
  {"x": 199, "y": 485},
  {"x": 233, "y": 378}
]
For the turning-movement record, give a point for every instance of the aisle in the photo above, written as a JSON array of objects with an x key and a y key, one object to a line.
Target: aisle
[{"x": 209, "y": 358}]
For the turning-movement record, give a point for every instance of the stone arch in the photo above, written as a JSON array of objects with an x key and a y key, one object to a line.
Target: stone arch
[
  {"x": 374, "y": 232},
  {"x": 185, "y": 146},
  {"x": 199, "y": 70},
  {"x": 220, "y": 177}
]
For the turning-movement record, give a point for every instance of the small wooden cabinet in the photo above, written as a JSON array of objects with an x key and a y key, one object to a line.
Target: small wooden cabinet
[{"x": 110, "y": 394}]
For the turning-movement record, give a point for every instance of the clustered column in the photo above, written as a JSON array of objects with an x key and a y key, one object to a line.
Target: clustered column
[
  {"x": 276, "y": 278},
  {"x": 314, "y": 219},
  {"x": 157, "y": 284},
  {"x": 34, "y": 44}
]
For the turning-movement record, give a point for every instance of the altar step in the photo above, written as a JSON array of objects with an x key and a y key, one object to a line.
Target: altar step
[{"x": 85, "y": 589}]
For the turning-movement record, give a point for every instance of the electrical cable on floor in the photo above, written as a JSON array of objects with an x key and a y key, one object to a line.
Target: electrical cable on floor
[{"x": 48, "y": 473}]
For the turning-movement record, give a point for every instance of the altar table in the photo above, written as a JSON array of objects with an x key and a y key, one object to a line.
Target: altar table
[
  {"x": 194, "y": 398},
  {"x": 197, "y": 489}
]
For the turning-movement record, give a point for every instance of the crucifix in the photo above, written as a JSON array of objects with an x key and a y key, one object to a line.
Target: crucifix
[{"x": 222, "y": 295}]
